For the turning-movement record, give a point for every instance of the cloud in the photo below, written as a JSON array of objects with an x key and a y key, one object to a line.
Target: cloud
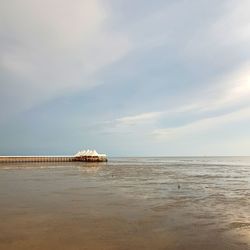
[
  {"x": 226, "y": 91},
  {"x": 203, "y": 125},
  {"x": 231, "y": 97},
  {"x": 138, "y": 119},
  {"x": 225, "y": 101},
  {"x": 198, "y": 26},
  {"x": 51, "y": 48}
]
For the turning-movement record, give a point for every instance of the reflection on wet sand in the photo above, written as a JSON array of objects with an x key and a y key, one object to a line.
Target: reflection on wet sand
[{"x": 126, "y": 204}]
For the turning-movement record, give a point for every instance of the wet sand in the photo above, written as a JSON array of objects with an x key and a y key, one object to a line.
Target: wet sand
[{"x": 122, "y": 206}]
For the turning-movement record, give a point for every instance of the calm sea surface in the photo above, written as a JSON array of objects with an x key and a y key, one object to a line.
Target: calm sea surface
[{"x": 127, "y": 203}]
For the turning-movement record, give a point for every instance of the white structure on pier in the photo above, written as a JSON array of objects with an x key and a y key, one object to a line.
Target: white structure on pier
[{"x": 89, "y": 153}]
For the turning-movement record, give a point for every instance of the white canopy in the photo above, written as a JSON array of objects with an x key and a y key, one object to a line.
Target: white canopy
[{"x": 89, "y": 153}]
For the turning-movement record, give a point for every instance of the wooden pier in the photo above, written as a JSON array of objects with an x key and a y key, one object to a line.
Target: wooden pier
[{"x": 20, "y": 159}]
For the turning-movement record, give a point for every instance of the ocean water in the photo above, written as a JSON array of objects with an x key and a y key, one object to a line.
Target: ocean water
[{"x": 127, "y": 203}]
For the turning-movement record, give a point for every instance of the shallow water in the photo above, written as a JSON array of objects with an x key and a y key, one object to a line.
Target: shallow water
[{"x": 127, "y": 203}]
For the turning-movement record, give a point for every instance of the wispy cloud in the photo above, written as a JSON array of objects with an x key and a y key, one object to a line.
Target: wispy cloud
[
  {"x": 226, "y": 91},
  {"x": 52, "y": 48},
  {"x": 202, "y": 125},
  {"x": 232, "y": 102},
  {"x": 226, "y": 101},
  {"x": 139, "y": 119}
]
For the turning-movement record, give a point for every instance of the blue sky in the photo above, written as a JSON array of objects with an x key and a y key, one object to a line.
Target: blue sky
[{"x": 127, "y": 78}]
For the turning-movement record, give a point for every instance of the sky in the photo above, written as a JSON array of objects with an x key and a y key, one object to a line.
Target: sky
[{"x": 127, "y": 78}]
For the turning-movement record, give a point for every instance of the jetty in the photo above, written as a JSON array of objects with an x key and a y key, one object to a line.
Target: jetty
[{"x": 81, "y": 156}]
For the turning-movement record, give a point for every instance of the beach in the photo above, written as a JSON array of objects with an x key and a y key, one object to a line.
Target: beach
[{"x": 127, "y": 203}]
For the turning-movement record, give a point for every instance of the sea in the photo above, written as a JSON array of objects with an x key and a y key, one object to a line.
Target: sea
[{"x": 127, "y": 203}]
